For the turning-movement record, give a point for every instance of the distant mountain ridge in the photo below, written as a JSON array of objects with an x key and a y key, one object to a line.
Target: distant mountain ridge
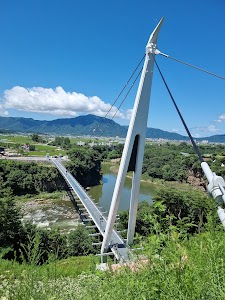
[{"x": 87, "y": 125}]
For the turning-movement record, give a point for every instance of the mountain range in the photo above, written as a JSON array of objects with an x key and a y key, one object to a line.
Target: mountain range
[{"x": 87, "y": 125}]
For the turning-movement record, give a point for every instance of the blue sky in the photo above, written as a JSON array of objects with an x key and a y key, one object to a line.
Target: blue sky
[{"x": 68, "y": 58}]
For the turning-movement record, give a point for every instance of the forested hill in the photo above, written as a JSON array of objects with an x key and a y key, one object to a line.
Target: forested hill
[
  {"x": 82, "y": 125},
  {"x": 86, "y": 125}
]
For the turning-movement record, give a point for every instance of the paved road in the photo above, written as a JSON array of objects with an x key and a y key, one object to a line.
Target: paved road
[
  {"x": 117, "y": 244},
  {"x": 25, "y": 158}
]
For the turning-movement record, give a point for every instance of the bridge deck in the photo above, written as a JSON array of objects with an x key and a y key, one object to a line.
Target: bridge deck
[{"x": 117, "y": 245}]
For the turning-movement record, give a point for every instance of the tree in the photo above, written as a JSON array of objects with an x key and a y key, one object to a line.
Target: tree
[
  {"x": 11, "y": 229},
  {"x": 35, "y": 137},
  {"x": 79, "y": 242},
  {"x": 20, "y": 182},
  {"x": 29, "y": 178},
  {"x": 186, "y": 211},
  {"x": 85, "y": 166},
  {"x": 39, "y": 245},
  {"x": 62, "y": 142},
  {"x": 32, "y": 147}
]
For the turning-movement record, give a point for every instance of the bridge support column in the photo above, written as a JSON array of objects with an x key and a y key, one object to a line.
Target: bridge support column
[{"x": 133, "y": 152}]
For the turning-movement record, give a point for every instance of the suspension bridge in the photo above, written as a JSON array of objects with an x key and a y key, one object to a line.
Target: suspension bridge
[
  {"x": 90, "y": 212},
  {"x": 132, "y": 159}
]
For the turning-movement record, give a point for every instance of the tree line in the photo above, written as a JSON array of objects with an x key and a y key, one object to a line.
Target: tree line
[
  {"x": 175, "y": 162},
  {"x": 184, "y": 211},
  {"x": 27, "y": 243},
  {"x": 187, "y": 211},
  {"x": 23, "y": 178}
]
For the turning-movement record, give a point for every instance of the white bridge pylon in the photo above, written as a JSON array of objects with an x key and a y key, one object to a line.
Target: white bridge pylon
[{"x": 133, "y": 152}]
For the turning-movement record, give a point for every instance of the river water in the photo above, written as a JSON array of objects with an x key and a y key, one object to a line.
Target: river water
[
  {"x": 61, "y": 213},
  {"x": 103, "y": 193},
  {"x": 51, "y": 213}
]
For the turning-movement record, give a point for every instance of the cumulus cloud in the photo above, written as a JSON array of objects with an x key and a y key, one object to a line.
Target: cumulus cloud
[
  {"x": 174, "y": 130},
  {"x": 128, "y": 114},
  {"x": 197, "y": 135},
  {"x": 210, "y": 128},
  {"x": 58, "y": 102},
  {"x": 221, "y": 118},
  {"x": 197, "y": 131},
  {"x": 3, "y": 112}
]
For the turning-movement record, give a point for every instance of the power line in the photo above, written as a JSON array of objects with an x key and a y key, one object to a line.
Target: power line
[{"x": 180, "y": 115}]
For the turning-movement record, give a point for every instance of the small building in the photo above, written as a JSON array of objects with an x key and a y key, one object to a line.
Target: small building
[{"x": 26, "y": 147}]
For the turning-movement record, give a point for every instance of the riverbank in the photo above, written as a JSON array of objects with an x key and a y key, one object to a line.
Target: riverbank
[
  {"x": 55, "y": 210},
  {"x": 160, "y": 183}
]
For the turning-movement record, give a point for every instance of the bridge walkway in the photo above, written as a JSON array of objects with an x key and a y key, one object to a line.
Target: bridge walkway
[{"x": 117, "y": 244}]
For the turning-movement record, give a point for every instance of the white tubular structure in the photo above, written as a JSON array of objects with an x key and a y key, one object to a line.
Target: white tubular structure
[
  {"x": 221, "y": 214},
  {"x": 132, "y": 157},
  {"x": 216, "y": 189},
  {"x": 215, "y": 183}
]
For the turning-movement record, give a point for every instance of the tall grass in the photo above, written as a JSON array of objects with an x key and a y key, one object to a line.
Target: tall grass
[
  {"x": 55, "y": 280},
  {"x": 188, "y": 269}
]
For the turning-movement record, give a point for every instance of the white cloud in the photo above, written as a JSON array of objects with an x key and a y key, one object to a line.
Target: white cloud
[
  {"x": 197, "y": 135},
  {"x": 210, "y": 128},
  {"x": 207, "y": 130},
  {"x": 128, "y": 114},
  {"x": 3, "y": 112},
  {"x": 174, "y": 130},
  {"x": 221, "y": 118},
  {"x": 58, "y": 102}
]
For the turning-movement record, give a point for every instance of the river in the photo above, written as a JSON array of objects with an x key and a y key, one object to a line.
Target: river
[
  {"x": 50, "y": 213},
  {"x": 103, "y": 193}
]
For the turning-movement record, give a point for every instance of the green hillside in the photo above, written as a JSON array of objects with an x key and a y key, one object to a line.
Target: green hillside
[{"x": 82, "y": 125}]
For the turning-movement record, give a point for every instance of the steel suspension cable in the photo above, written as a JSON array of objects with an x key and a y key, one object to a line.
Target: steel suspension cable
[
  {"x": 94, "y": 129},
  {"x": 180, "y": 115},
  {"x": 121, "y": 102},
  {"x": 190, "y": 65}
]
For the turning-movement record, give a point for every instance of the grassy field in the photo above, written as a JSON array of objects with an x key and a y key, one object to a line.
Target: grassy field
[
  {"x": 16, "y": 139},
  {"x": 12, "y": 142},
  {"x": 47, "y": 151}
]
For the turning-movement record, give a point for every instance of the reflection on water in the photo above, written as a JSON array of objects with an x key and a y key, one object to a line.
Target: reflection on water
[{"x": 103, "y": 193}]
